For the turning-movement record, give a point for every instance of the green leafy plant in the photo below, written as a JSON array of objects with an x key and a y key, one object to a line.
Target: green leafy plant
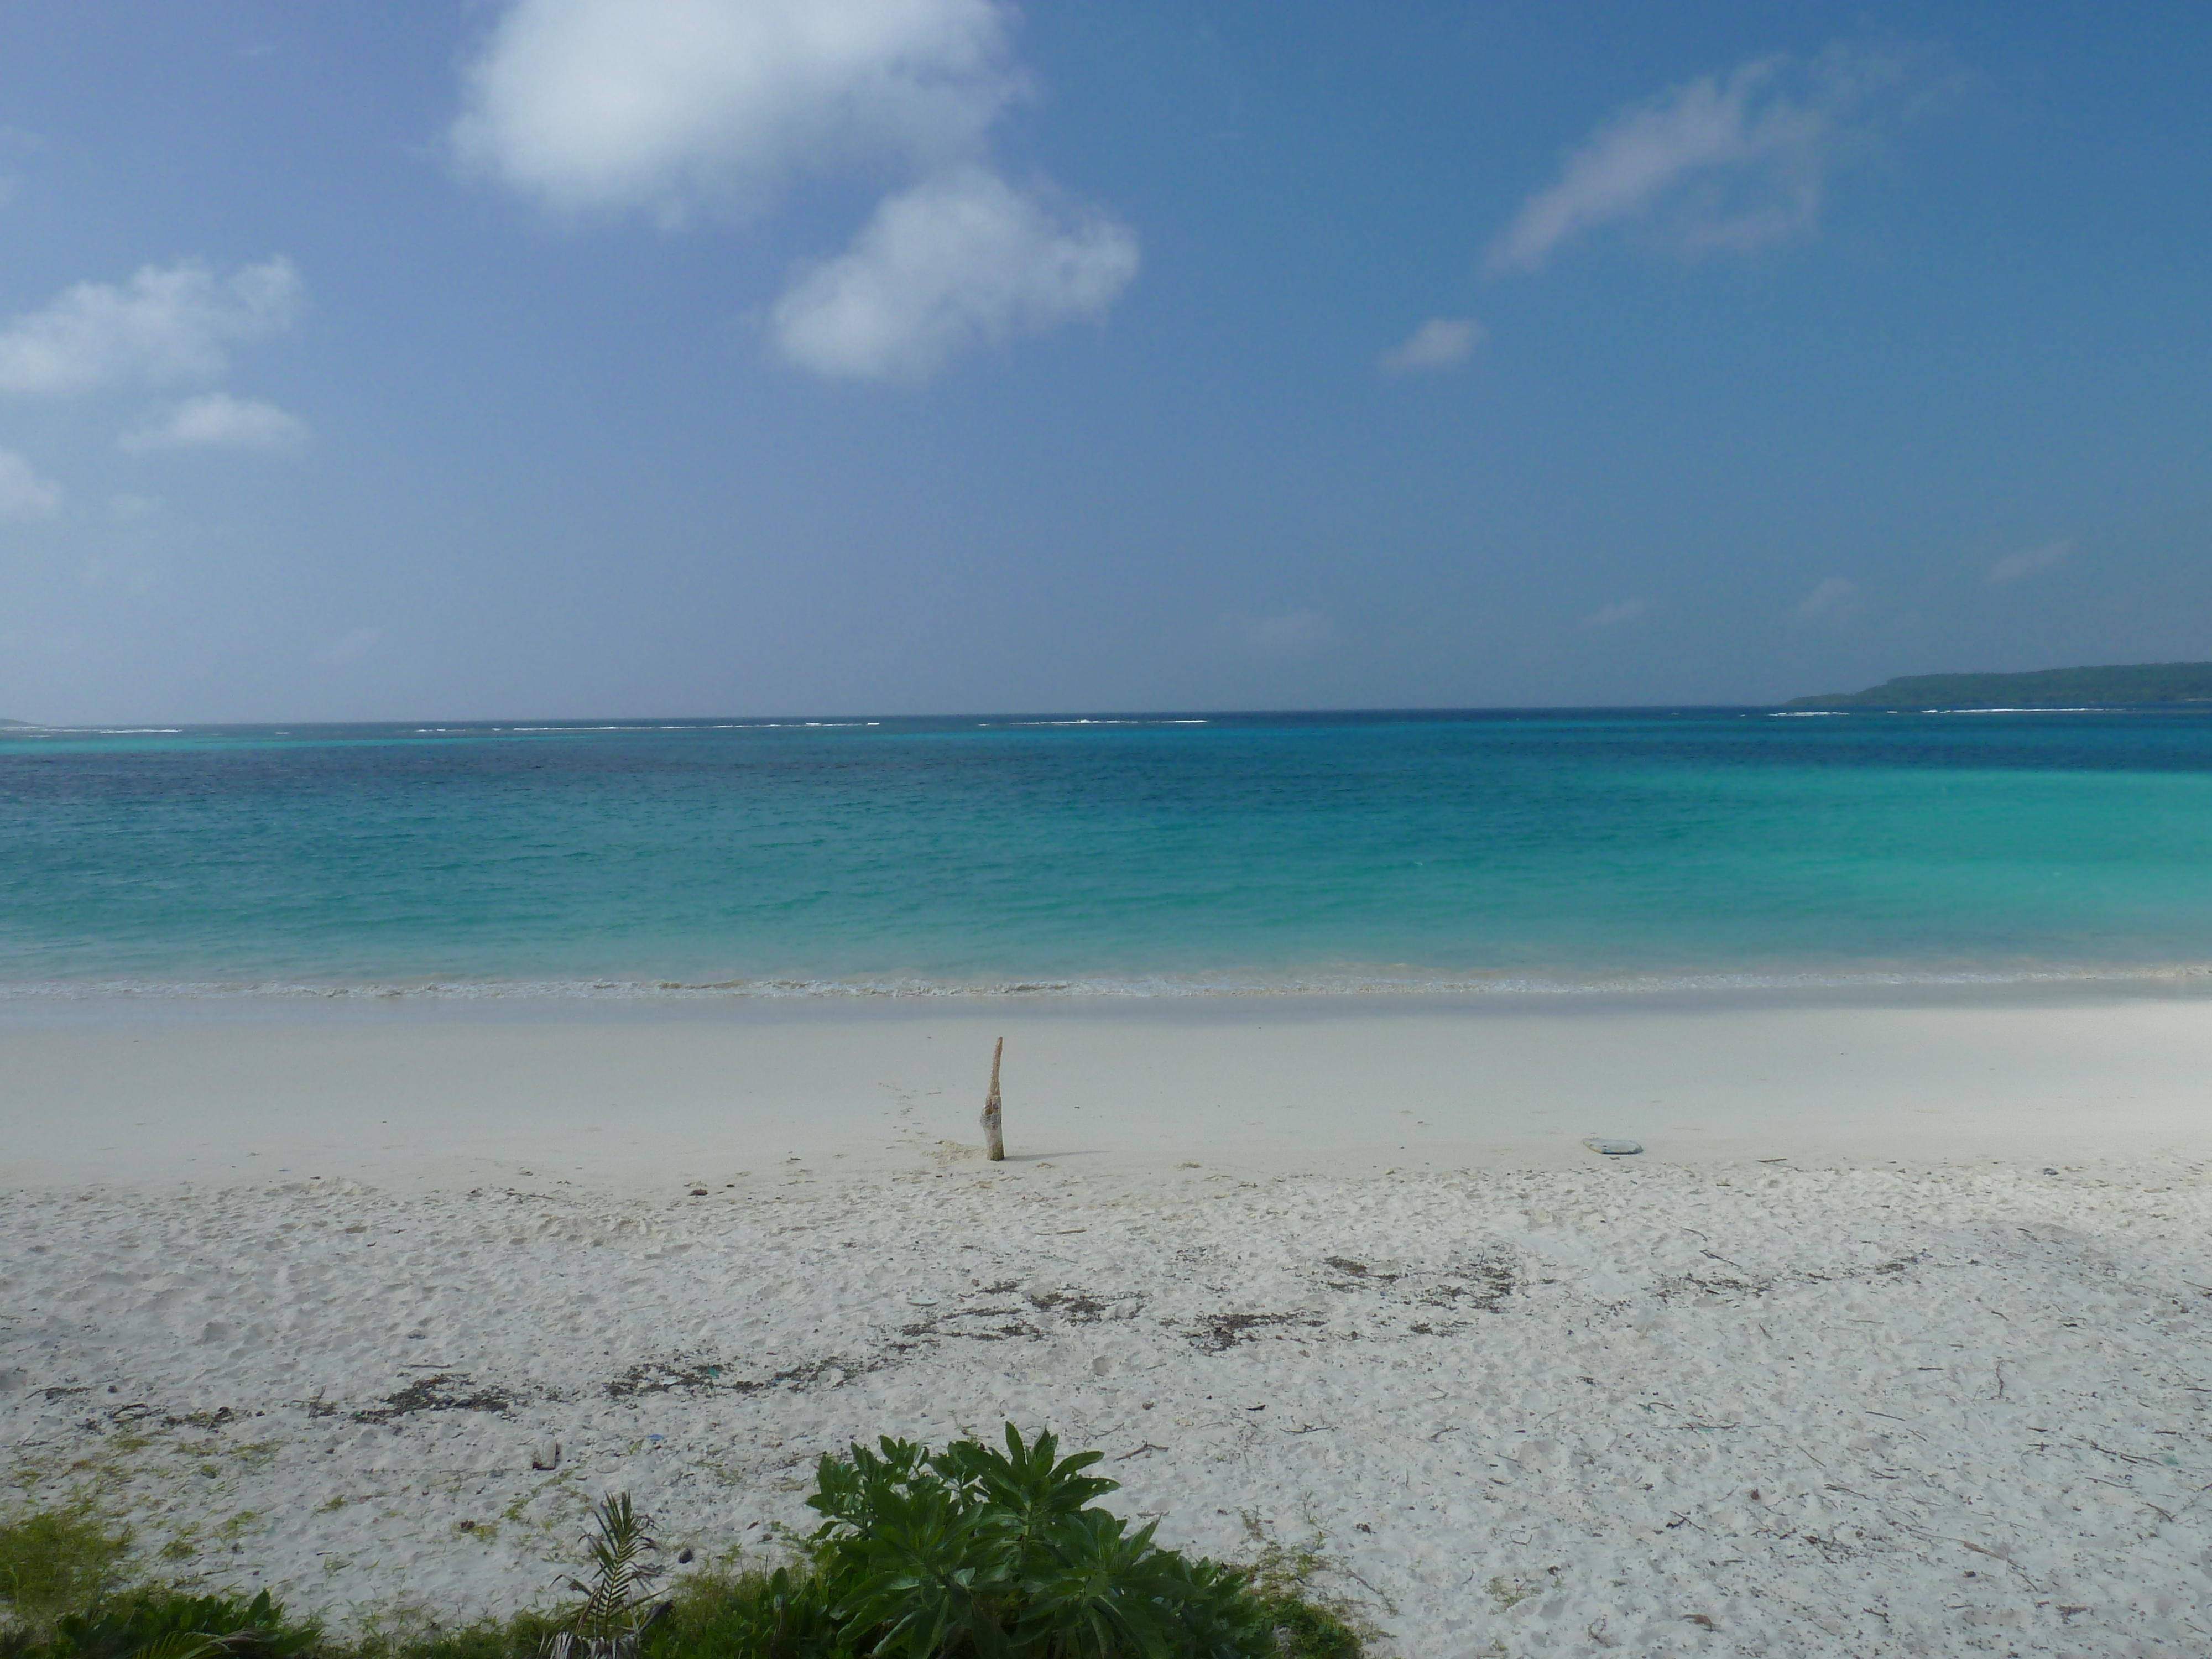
[
  {"x": 783, "y": 1615},
  {"x": 977, "y": 1551},
  {"x": 618, "y": 1603},
  {"x": 156, "y": 1624}
]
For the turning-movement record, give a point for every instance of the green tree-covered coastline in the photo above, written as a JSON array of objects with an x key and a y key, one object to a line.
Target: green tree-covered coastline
[{"x": 2122, "y": 684}]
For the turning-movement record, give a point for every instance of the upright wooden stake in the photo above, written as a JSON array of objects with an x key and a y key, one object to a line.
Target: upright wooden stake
[{"x": 994, "y": 1143}]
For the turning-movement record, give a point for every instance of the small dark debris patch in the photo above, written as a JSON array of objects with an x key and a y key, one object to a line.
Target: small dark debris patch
[
  {"x": 950, "y": 1322},
  {"x": 1691, "y": 1284},
  {"x": 1223, "y": 1332},
  {"x": 1069, "y": 1304},
  {"x": 62, "y": 1393},
  {"x": 667, "y": 1376},
  {"x": 1002, "y": 1287},
  {"x": 1727, "y": 1284},
  {"x": 1350, "y": 1269},
  {"x": 1897, "y": 1266},
  {"x": 214, "y": 1419},
  {"x": 445, "y": 1392},
  {"x": 1484, "y": 1284},
  {"x": 805, "y": 1376},
  {"x": 987, "y": 1334}
]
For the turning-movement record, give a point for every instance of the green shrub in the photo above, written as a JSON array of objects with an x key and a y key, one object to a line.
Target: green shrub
[
  {"x": 977, "y": 1551},
  {"x": 164, "y": 1625},
  {"x": 778, "y": 1615},
  {"x": 522, "y": 1636}
]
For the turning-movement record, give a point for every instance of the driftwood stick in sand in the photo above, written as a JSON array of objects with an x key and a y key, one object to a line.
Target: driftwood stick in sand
[{"x": 994, "y": 1143}]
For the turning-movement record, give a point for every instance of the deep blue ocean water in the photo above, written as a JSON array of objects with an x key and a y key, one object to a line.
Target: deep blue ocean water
[{"x": 1567, "y": 849}]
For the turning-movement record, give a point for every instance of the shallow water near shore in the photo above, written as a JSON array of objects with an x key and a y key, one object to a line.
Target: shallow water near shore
[{"x": 1146, "y": 855}]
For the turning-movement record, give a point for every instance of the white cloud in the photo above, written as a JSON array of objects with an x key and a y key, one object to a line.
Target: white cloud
[
  {"x": 1286, "y": 632},
  {"x": 670, "y": 104},
  {"x": 1617, "y": 615},
  {"x": 164, "y": 325},
  {"x": 2016, "y": 566},
  {"x": 1833, "y": 602},
  {"x": 1438, "y": 343},
  {"x": 962, "y": 259},
  {"x": 1723, "y": 165},
  {"x": 23, "y": 493},
  {"x": 219, "y": 421},
  {"x": 673, "y": 106}
]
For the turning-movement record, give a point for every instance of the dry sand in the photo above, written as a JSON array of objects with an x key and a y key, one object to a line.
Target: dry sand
[{"x": 304, "y": 1288}]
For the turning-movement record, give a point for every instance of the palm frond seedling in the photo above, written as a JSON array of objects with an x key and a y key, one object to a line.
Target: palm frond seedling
[{"x": 618, "y": 1601}]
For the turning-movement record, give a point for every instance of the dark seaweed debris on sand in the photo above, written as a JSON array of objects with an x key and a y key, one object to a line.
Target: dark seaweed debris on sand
[{"x": 445, "y": 1392}]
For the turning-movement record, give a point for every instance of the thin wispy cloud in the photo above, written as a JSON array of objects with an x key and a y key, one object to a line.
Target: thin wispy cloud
[
  {"x": 1727, "y": 163},
  {"x": 1438, "y": 343},
  {"x": 23, "y": 493},
  {"x": 165, "y": 323},
  {"x": 2018, "y": 567},
  {"x": 680, "y": 107},
  {"x": 219, "y": 421}
]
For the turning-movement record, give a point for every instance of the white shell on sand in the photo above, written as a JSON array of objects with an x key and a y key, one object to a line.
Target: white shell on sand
[{"x": 1614, "y": 1148}]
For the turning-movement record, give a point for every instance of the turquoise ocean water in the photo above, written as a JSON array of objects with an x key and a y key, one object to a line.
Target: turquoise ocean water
[{"x": 1146, "y": 854}]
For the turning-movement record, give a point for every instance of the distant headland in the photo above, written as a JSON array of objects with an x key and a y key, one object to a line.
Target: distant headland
[{"x": 2042, "y": 688}]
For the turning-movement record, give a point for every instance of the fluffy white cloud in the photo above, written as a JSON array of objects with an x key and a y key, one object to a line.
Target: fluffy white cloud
[
  {"x": 23, "y": 493},
  {"x": 164, "y": 325},
  {"x": 675, "y": 105},
  {"x": 1438, "y": 343},
  {"x": 1725, "y": 164},
  {"x": 219, "y": 421},
  {"x": 666, "y": 104},
  {"x": 2017, "y": 567},
  {"x": 962, "y": 259}
]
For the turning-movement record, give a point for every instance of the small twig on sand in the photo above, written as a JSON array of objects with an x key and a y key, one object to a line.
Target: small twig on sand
[{"x": 994, "y": 1142}]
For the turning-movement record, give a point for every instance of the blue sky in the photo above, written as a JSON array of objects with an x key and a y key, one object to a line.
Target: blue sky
[{"x": 564, "y": 357}]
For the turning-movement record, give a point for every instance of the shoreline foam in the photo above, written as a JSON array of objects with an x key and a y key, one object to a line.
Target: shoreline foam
[{"x": 2089, "y": 978}]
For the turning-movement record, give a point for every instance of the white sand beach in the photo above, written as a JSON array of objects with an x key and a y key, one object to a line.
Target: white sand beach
[{"x": 1897, "y": 1339}]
